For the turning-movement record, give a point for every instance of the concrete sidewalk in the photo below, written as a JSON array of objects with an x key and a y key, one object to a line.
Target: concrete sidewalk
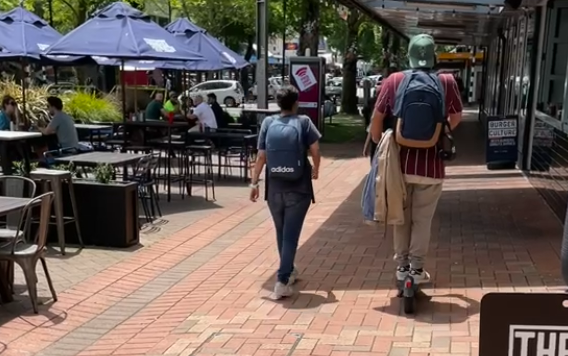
[{"x": 205, "y": 290}]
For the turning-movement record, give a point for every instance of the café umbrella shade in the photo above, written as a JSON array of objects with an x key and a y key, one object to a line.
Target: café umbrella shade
[
  {"x": 120, "y": 31},
  {"x": 25, "y": 35},
  {"x": 215, "y": 54},
  {"x": 184, "y": 26}
]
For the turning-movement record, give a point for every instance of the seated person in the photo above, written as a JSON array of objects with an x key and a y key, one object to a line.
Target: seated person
[
  {"x": 8, "y": 111},
  {"x": 217, "y": 110},
  {"x": 172, "y": 105},
  {"x": 186, "y": 105},
  {"x": 61, "y": 125},
  {"x": 203, "y": 115},
  {"x": 155, "y": 108}
]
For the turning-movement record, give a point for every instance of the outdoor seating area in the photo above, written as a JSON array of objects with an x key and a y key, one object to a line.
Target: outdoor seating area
[
  {"x": 116, "y": 182},
  {"x": 106, "y": 196}
]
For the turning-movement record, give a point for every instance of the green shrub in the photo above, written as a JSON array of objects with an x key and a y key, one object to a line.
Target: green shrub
[{"x": 87, "y": 107}]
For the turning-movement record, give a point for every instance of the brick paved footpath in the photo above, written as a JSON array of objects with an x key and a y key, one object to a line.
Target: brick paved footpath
[{"x": 205, "y": 290}]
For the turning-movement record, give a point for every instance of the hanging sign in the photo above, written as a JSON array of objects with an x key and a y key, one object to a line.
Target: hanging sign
[{"x": 523, "y": 324}]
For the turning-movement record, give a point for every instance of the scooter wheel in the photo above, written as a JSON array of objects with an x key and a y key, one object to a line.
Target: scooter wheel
[{"x": 408, "y": 305}]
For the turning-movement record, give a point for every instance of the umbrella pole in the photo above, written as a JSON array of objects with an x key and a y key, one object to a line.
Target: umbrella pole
[
  {"x": 23, "y": 63},
  {"x": 123, "y": 94},
  {"x": 136, "y": 92}
]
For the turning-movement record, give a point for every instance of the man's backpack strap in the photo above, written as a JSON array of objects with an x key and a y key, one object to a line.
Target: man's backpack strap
[{"x": 399, "y": 94}]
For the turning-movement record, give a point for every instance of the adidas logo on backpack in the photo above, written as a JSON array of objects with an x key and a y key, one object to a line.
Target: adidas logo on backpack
[{"x": 282, "y": 170}]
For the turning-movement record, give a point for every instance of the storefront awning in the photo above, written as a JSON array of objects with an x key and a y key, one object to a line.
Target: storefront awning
[{"x": 452, "y": 22}]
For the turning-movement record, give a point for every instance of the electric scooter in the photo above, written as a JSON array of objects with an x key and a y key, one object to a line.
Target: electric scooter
[{"x": 410, "y": 292}]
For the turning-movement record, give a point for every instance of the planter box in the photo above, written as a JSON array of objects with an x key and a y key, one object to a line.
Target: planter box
[{"x": 108, "y": 214}]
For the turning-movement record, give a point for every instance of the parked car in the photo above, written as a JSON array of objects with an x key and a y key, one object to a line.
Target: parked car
[
  {"x": 274, "y": 84},
  {"x": 334, "y": 89},
  {"x": 228, "y": 92}
]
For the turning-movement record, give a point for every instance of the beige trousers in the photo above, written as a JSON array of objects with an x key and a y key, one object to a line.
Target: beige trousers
[{"x": 411, "y": 240}]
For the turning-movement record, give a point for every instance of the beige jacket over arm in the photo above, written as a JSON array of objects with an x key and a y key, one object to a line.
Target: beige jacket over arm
[{"x": 391, "y": 187}]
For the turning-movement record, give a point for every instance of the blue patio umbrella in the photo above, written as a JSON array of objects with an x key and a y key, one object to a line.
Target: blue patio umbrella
[
  {"x": 24, "y": 34},
  {"x": 215, "y": 54},
  {"x": 120, "y": 31},
  {"x": 184, "y": 26}
]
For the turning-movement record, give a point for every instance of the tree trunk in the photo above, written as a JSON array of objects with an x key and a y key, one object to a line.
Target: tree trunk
[
  {"x": 349, "y": 101},
  {"x": 309, "y": 31}
]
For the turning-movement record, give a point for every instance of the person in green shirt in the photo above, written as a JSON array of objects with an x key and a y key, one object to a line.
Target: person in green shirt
[
  {"x": 154, "y": 109},
  {"x": 172, "y": 105}
]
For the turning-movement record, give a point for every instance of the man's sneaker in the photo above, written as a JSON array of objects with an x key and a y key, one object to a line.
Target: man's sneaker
[
  {"x": 282, "y": 290},
  {"x": 293, "y": 277},
  {"x": 420, "y": 276},
  {"x": 402, "y": 272}
]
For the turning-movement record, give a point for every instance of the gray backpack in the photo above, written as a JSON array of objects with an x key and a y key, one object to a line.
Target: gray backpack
[{"x": 285, "y": 150}]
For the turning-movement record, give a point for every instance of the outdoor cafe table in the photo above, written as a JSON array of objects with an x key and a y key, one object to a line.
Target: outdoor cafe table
[
  {"x": 238, "y": 136},
  {"x": 21, "y": 138},
  {"x": 94, "y": 158},
  {"x": 8, "y": 205},
  {"x": 92, "y": 128}
]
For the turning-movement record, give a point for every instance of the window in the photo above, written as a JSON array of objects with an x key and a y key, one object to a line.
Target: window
[
  {"x": 223, "y": 85},
  {"x": 551, "y": 96},
  {"x": 203, "y": 86}
]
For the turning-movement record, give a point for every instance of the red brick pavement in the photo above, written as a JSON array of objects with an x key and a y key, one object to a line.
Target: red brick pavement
[{"x": 205, "y": 290}]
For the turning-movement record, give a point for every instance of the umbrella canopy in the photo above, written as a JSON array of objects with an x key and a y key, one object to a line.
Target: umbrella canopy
[
  {"x": 120, "y": 31},
  {"x": 216, "y": 57},
  {"x": 24, "y": 34},
  {"x": 184, "y": 26}
]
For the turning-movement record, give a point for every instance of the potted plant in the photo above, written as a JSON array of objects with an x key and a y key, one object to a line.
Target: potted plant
[{"x": 107, "y": 209}]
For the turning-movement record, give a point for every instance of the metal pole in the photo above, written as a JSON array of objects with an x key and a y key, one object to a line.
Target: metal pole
[
  {"x": 262, "y": 53},
  {"x": 284, "y": 42},
  {"x": 50, "y": 9},
  {"x": 536, "y": 58}
]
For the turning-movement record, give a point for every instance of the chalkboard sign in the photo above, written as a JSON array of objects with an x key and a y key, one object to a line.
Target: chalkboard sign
[
  {"x": 501, "y": 141},
  {"x": 523, "y": 324}
]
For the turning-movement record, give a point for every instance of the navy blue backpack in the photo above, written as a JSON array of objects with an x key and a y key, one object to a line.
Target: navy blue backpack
[
  {"x": 420, "y": 110},
  {"x": 285, "y": 149}
]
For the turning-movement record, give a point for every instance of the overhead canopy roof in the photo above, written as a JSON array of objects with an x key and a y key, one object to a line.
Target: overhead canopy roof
[{"x": 467, "y": 22}]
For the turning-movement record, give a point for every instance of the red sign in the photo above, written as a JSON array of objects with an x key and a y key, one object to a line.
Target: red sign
[{"x": 306, "y": 76}]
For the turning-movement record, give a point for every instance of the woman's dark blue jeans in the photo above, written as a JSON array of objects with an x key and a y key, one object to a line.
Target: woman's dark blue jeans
[{"x": 288, "y": 212}]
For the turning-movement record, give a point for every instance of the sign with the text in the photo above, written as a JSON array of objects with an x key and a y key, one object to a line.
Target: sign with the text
[
  {"x": 518, "y": 324},
  {"x": 307, "y": 74},
  {"x": 502, "y": 139}
]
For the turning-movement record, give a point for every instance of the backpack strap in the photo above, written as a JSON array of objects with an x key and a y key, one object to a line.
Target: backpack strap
[
  {"x": 400, "y": 92},
  {"x": 436, "y": 78}
]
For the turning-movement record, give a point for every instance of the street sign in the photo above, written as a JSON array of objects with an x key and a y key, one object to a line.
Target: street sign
[
  {"x": 519, "y": 324},
  {"x": 502, "y": 140},
  {"x": 307, "y": 75}
]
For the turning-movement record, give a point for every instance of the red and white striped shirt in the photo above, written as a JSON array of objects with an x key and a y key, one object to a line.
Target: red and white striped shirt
[{"x": 423, "y": 162}]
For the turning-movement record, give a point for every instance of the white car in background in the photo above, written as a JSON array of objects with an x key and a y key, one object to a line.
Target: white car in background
[
  {"x": 274, "y": 84},
  {"x": 228, "y": 92}
]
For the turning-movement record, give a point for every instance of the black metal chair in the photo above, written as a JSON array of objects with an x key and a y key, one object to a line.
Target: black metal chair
[{"x": 147, "y": 194}]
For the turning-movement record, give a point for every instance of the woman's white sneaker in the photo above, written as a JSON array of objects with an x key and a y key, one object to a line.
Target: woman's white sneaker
[{"x": 282, "y": 290}]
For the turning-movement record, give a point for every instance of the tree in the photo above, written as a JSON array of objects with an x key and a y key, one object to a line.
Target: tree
[{"x": 354, "y": 35}]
